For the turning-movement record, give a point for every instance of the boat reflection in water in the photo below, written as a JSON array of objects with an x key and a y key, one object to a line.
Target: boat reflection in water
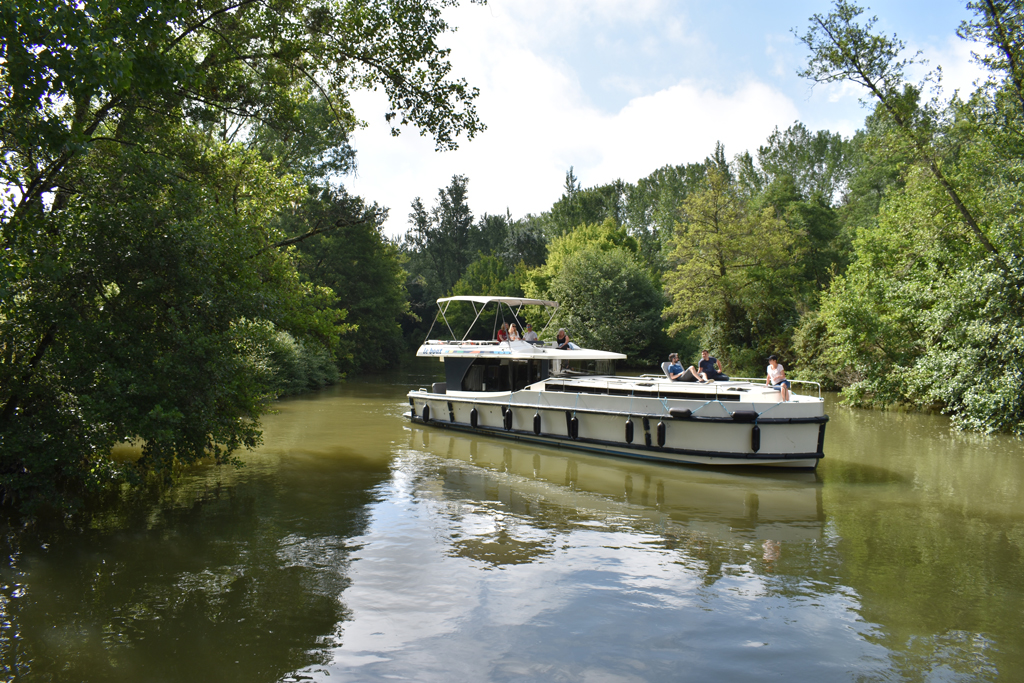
[{"x": 555, "y": 487}]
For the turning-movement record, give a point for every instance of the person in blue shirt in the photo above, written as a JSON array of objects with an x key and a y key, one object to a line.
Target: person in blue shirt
[
  {"x": 711, "y": 367},
  {"x": 677, "y": 374}
]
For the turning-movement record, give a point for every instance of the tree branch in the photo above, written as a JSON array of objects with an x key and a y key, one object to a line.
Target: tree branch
[
  {"x": 12, "y": 402},
  {"x": 195, "y": 27},
  {"x": 319, "y": 230}
]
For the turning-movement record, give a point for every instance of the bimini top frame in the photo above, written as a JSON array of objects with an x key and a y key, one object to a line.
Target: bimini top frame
[{"x": 479, "y": 303}]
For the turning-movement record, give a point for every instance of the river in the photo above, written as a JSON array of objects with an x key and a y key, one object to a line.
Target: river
[{"x": 354, "y": 546}]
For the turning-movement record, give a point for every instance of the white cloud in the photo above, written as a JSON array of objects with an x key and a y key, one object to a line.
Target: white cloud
[
  {"x": 540, "y": 122},
  {"x": 682, "y": 123},
  {"x": 959, "y": 70},
  {"x": 616, "y": 89}
]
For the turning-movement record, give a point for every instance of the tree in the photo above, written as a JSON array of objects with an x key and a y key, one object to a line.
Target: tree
[
  {"x": 607, "y": 298},
  {"x": 843, "y": 50},
  {"x": 146, "y": 154},
  {"x": 921, "y": 322},
  {"x": 592, "y": 205},
  {"x": 1000, "y": 25},
  {"x": 732, "y": 272},
  {"x": 818, "y": 163},
  {"x": 608, "y": 301},
  {"x": 362, "y": 267},
  {"x": 441, "y": 242},
  {"x": 148, "y": 313},
  {"x": 489, "y": 276},
  {"x": 604, "y": 236},
  {"x": 652, "y": 208},
  {"x": 525, "y": 242},
  {"x": 929, "y": 312},
  {"x": 827, "y": 244},
  {"x": 490, "y": 234}
]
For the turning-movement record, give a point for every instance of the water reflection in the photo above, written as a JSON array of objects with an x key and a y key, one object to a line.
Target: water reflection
[
  {"x": 783, "y": 506},
  {"x": 234, "y": 575},
  {"x": 551, "y": 565},
  {"x": 931, "y": 529},
  {"x": 356, "y": 546}
]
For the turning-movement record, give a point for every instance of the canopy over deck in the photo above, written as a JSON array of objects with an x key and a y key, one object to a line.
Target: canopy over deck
[
  {"x": 508, "y": 300},
  {"x": 518, "y": 350},
  {"x": 515, "y": 305}
]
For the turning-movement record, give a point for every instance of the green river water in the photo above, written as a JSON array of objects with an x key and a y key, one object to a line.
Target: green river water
[{"x": 354, "y": 546}]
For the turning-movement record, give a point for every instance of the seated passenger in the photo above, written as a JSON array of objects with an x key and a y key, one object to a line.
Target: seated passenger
[
  {"x": 513, "y": 333},
  {"x": 677, "y": 374},
  {"x": 711, "y": 367},
  {"x": 530, "y": 335},
  {"x": 503, "y": 332},
  {"x": 562, "y": 339},
  {"x": 777, "y": 377}
]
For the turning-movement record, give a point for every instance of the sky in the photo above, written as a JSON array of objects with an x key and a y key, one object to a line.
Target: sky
[{"x": 616, "y": 89}]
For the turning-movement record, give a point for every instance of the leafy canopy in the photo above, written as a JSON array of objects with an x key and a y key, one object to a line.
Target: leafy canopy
[{"x": 147, "y": 152}]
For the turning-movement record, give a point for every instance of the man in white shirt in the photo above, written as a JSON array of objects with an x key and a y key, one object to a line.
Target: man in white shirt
[
  {"x": 777, "y": 377},
  {"x": 529, "y": 335}
]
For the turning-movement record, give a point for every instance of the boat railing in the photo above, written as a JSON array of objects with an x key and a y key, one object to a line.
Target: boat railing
[
  {"x": 760, "y": 380},
  {"x": 716, "y": 387}
]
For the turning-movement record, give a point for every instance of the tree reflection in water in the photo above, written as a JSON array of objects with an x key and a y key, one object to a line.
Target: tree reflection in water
[
  {"x": 355, "y": 546},
  {"x": 223, "y": 576}
]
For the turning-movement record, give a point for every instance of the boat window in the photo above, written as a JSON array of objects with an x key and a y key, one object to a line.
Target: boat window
[
  {"x": 575, "y": 368},
  {"x": 474, "y": 379},
  {"x": 487, "y": 374},
  {"x": 502, "y": 374},
  {"x": 525, "y": 373}
]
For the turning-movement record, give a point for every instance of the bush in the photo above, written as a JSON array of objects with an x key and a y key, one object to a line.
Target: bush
[{"x": 298, "y": 367}]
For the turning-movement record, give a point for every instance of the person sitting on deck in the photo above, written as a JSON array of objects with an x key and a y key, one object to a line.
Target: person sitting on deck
[
  {"x": 503, "y": 332},
  {"x": 711, "y": 367},
  {"x": 530, "y": 335},
  {"x": 513, "y": 333},
  {"x": 562, "y": 339},
  {"x": 677, "y": 374},
  {"x": 777, "y": 377}
]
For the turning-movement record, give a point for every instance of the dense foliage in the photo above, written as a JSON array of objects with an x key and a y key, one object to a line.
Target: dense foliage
[
  {"x": 178, "y": 249},
  {"x": 888, "y": 264},
  {"x": 608, "y": 301},
  {"x": 361, "y": 266},
  {"x": 734, "y": 268},
  {"x": 930, "y": 311},
  {"x": 148, "y": 285}
]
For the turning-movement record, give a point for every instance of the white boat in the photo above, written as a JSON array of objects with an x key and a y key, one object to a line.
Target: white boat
[{"x": 534, "y": 392}]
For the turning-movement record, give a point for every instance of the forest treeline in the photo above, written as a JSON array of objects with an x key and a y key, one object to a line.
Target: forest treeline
[
  {"x": 888, "y": 265},
  {"x": 178, "y": 247}
]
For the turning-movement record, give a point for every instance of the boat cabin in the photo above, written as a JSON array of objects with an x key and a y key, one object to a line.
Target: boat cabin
[
  {"x": 488, "y": 365},
  {"x": 513, "y": 374}
]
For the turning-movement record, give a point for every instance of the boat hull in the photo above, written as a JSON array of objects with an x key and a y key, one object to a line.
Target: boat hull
[{"x": 707, "y": 433}]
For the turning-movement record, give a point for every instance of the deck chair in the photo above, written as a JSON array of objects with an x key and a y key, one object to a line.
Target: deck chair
[{"x": 664, "y": 368}]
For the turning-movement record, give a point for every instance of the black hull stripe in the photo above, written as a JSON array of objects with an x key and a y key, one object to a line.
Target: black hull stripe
[{"x": 608, "y": 447}]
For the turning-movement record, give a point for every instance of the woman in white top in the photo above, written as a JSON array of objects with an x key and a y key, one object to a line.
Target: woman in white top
[
  {"x": 513, "y": 333},
  {"x": 777, "y": 377}
]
